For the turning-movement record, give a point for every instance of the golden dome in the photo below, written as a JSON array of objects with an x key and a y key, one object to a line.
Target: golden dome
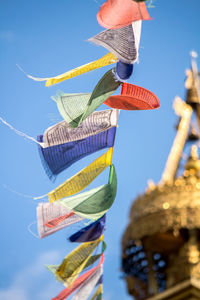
[
  {"x": 161, "y": 245},
  {"x": 168, "y": 206}
]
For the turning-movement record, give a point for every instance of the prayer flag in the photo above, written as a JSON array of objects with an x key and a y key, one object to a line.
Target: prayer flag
[
  {"x": 97, "y": 122},
  {"x": 75, "y": 108},
  {"x": 133, "y": 97},
  {"x": 89, "y": 233},
  {"x": 120, "y": 41},
  {"x": 91, "y": 261},
  {"x": 57, "y": 158},
  {"x": 96, "y": 202},
  {"x": 120, "y": 13},
  {"x": 75, "y": 262},
  {"x": 83, "y": 178},
  {"x": 50, "y": 212},
  {"x": 107, "y": 59}
]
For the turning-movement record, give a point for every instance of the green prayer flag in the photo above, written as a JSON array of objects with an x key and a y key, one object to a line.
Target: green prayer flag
[
  {"x": 96, "y": 202},
  {"x": 74, "y": 108}
]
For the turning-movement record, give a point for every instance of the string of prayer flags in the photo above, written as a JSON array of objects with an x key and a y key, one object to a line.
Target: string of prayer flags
[
  {"x": 47, "y": 212},
  {"x": 120, "y": 41},
  {"x": 97, "y": 122},
  {"x": 89, "y": 233},
  {"x": 98, "y": 294},
  {"x": 57, "y": 158},
  {"x": 120, "y": 13},
  {"x": 75, "y": 261},
  {"x": 86, "y": 288},
  {"x": 133, "y": 98},
  {"x": 85, "y": 131},
  {"x": 75, "y": 108},
  {"x": 83, "y": 178},
  {"x": 106, "y": 60},
  {"x": 123, "y": 70},
  {"x": 77, "y": 283},
  {"x": 95, "y": 203}
]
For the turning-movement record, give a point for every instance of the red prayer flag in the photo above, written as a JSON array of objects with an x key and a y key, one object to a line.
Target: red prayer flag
[
  {"x": 133, "y": 97},
  {"x": 120, "y": 13}
]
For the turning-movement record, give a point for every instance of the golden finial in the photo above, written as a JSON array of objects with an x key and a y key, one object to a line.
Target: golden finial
[
  {"x": 193, "y": 162},
  {"x": 185, "y": 112}
]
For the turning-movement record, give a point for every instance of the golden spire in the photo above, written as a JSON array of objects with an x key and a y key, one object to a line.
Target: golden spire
[
  {"x": 185, "y": 111},
  {"x": 192, "y": 83},
  {"x": 191, "y": 93}
]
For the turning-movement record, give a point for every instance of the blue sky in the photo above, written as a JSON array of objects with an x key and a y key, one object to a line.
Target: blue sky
[{"x": 50, "y": 37}]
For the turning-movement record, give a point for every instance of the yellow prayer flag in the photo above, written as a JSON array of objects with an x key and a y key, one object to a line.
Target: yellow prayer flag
[
  {"x": 82, "y": 179},
  {"x": 75, "y": 261},
  {"x": 107, "y": 59}
]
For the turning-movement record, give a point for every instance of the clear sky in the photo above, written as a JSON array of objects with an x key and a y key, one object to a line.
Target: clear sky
[{"x": 48, "y": 37}]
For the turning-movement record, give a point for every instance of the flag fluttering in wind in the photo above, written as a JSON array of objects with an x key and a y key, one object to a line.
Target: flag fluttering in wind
[
  {"x": 106, "y": 60},
  {"x": 74, "y": 262},
  {"x": 83, "y": 178},
  {"x": 120, "y": 13},
  {"x": 97, "y": 122},
  {"x": 55, "y": 214},
  {"x": 121, "y": 42},
  {"x": 89, "y": 233},
  {"x": 75, "y": 108},
  {"x": 96, "y": 202},
  {"x": 57, "y": 158},
  {"x": 133, "y": 97}
]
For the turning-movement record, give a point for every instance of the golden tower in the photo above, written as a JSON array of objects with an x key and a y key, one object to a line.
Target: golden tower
[{"x": 161, "y": 244}]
